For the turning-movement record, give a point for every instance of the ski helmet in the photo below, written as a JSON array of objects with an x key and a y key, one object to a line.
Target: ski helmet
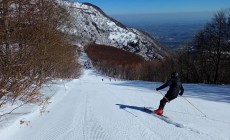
[{"x": 174, "y": 75}]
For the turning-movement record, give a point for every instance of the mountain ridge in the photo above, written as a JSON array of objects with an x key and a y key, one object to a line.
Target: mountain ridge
[{"x": 94, "y": 25}]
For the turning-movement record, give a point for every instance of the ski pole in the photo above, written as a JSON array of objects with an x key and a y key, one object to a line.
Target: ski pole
[
  {"x": 130, "y": 112},
  {"x": 194, "y": 106},
  {"x": 163, "y": 96}
]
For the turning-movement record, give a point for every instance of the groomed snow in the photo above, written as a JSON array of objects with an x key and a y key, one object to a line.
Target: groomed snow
[{"x": 89, "y": 108}]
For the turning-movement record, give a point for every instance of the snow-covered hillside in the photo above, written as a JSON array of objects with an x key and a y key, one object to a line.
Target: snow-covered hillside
[
  {"x": 109, "y": 109},
  {"x": 93, "y": 25}
]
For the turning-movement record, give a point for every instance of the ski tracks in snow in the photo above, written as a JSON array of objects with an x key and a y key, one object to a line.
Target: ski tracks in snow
[
  {"x": 91, "y": 109},
  {"x": 92, "y": 129},
  {"x": 85, "y": 125},
  {"x": 144, "y": 132},
  {"x": 148, "y": 129}
]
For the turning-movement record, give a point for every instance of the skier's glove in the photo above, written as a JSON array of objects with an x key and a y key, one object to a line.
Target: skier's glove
[{"x": 157, "y": 89}]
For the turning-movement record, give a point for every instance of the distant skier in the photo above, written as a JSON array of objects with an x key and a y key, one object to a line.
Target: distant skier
[{"x": 175, "y": 88}]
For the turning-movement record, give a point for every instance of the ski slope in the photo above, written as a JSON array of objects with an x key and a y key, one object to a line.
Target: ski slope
[{"x": 91, "y": 109}]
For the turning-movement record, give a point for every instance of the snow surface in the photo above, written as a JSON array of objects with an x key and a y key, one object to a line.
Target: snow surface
[
  {"x": 89, "y": 108},
  {"x": 123, "y": 37}
]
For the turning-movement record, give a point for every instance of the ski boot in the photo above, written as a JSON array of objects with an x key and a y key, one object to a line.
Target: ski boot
[{"x": 158, "y": 112}]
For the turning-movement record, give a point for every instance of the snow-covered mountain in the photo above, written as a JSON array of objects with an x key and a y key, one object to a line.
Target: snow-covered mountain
[{"x": 93, "y": 25}]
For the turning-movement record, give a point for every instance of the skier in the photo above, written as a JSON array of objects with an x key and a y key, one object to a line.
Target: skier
[{"x": 175, "y": 88}]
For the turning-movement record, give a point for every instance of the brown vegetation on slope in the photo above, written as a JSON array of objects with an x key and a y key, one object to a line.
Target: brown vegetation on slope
[
  {"x": 118, "y": 63},
  {"x": 34, "y": 48}
]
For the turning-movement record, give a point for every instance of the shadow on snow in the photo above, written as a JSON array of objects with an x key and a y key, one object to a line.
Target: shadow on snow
[{"x": 134, "y": 107}]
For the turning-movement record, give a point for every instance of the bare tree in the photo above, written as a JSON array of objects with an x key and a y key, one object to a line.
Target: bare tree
[
  {"x": 34, "y": 48},
  {"x": 211, "y": 43}
]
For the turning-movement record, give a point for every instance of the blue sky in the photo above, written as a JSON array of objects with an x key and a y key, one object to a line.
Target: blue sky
[{"x": 119, "y": 7}]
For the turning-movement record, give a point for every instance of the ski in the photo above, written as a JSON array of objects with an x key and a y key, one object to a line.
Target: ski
[
  {"x": 150, "y": 110},
  {"x": 164, "y": 118}
]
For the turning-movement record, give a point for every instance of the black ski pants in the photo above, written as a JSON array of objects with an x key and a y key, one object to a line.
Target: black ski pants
[{"x": 163, "y": 101}]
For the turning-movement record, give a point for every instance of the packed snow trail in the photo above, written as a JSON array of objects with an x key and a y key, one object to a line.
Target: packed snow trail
[{"x": 90, "y": 108}]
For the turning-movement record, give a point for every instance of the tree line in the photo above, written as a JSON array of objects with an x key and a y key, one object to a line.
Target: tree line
[
  {"x": 121, "y": 64},
  {"x": 206, "y": 59},
  {"x": 34, "y": 48}
]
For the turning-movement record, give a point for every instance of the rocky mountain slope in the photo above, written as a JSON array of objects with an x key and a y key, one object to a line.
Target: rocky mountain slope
[{"x": 93, "y": 25}]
